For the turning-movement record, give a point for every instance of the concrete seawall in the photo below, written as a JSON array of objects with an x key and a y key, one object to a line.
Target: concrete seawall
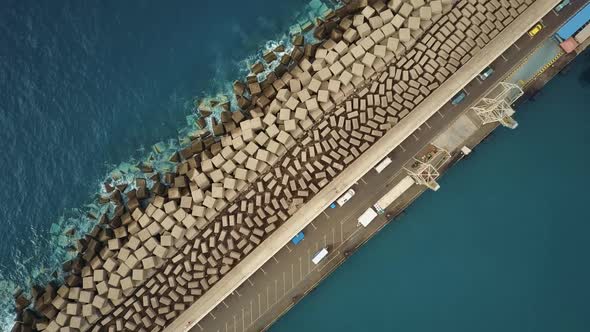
[{"x": 356, "y": 170}]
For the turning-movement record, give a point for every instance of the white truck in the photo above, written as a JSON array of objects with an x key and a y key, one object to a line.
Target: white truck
[
  {"x": 319, "y": 256},
  {"x": 382, "y": 164},
  {"x": 346, "y": 197},
  {"x": 367, "y": 216},
  {"x": 393, "y": 194}
]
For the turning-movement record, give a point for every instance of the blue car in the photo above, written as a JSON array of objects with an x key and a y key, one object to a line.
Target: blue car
[
  {"x": 298, "y": 238},
  {"x": 458, "y": 98}
]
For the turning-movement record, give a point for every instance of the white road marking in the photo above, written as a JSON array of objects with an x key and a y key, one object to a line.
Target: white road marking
[
  {"x": 402, "y": 147},
  {"x": 288, "y": 248},
  {"x": 515, "y": 45},
  {"x": 415, "y": 137},
  {"x": 312, "y": 225},
  {"x": 261, "y": 269},
  {"x": 365, "y": 182},
  {"x": 225, "y": 304},
  {"x": 250, "y": 282},
  {"x": 427, "y": 125},
  {"x": 439, "y": 113},
  {"x": 210, "y": 313},
  {"x": 276, "y": 260},
  {"x": 503, "y": 57},
  {"x": 259, "y": 306},
  {"x": 325, "y": 214}
]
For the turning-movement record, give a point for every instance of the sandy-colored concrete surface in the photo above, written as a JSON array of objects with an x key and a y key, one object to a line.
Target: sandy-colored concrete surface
[{"x": 356, "y": 170}]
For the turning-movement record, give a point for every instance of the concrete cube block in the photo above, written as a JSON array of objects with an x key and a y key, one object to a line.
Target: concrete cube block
[
  {"x": 311, "y": 104},
  {"x": 404, "y": 35},
  {"x": 300, "y": 113},
  {"x": 285, "y": 114},
  {"x": 324, "y": 74},
  {"x": 294, "y": 85},
  {"x": 357, "y": 51},
  {"x": 405, "y": 10},
  {"x": 398, "y": 21},
  {"x": 350, "y": 35},
  {"x": 363, "y": 30},
  {"x": 334, "y": 86},
  {"x": 368, "y": 11},
  {"x": 323, "y": 96},
  {"x": 357, "y": 69},
  {"x": 368, "y": 59},
  {"x": 414, "y": 23},
  {"x": 345, "y": 77}
]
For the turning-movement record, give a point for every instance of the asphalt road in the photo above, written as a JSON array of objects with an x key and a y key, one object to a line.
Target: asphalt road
[{"x": 290, "y": 274}]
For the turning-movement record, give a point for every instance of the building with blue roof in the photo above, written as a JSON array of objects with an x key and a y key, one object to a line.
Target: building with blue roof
[{"x": 576, "y": 23}]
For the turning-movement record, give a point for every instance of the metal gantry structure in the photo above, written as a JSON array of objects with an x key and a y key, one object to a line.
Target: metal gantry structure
[
  {"x": 496, "y": 106},
  {"x": 424, "y": 170}
]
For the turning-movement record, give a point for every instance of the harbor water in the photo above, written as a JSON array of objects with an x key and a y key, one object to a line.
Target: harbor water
[
  {"x": 88, "y": 89},
  {"x": 504, "y": 244}
]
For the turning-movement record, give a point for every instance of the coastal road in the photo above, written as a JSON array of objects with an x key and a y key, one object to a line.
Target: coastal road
[{"x": 284, "y": 279}]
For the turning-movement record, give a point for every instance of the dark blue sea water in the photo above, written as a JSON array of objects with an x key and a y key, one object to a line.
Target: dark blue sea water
[
  {"x": 86, "y": 86},
  {"x": 504, "y": 245}
]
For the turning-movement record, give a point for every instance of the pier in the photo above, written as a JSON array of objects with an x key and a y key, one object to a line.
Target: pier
[{"x": 209, "y": 249}]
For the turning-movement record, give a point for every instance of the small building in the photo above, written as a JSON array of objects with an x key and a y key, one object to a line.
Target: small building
[{"x": 574, "y": 24}]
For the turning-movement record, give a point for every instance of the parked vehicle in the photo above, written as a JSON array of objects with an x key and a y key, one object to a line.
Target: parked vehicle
[
  {"x": 560, "y": 6},
  {"x": 458, "y": 98},
  {"x": 319, "y": 256},
  {"x": 381, "y": 166},
  {"x": 536, "y": 29},
  {"x": 399, "y": 189},
  {"x": 344, "y": 198},
  {"x": 298, "y": 238},
  {"x": 486, "y": 73},
  {"x": 367, "y": 216}
]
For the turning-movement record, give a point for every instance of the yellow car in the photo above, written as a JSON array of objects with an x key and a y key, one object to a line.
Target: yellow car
[{"x": 535, "y": 30}]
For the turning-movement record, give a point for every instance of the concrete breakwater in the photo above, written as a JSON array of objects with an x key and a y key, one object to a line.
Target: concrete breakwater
[{"x": 168, "y": 244}]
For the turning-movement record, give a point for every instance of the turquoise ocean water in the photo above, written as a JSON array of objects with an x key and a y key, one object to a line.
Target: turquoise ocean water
[{"x": 504, "y": 245}]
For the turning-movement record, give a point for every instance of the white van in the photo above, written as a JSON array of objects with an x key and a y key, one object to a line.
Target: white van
[
  {"x": 319, "y": 256},
  {"x": 346, "y": 197},
  {"x": 382, "y": 164}
]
